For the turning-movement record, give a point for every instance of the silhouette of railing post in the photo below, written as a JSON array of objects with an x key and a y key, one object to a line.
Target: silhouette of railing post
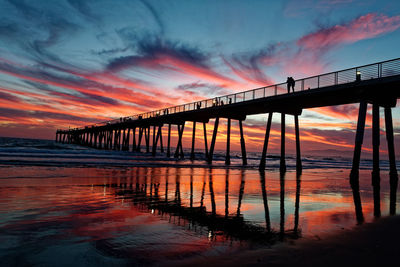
[
  {"x": 393, "y": 176},
  {"x": 375, "y": 158},
  {"x": 228, "y": 143}
]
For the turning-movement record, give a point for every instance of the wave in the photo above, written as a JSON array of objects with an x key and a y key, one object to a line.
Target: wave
[{"x": 33, "y": 152}]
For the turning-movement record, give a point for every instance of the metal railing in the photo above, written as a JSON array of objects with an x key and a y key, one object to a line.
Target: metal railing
[{"x": 366, "y": 72}]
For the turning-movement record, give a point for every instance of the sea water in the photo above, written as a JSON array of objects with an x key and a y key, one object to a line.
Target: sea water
[{"x": 63, "y": 204}]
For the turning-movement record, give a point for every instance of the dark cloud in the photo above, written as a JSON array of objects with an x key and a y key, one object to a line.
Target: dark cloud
[
  {"x": 9, "y": 97},
  {"x": 14, "y": 113},
  {"x": 203, "y": 88},
  {"x": 102, "y": 99},
  {"x": 148, "y": 48},
  {"x": 82, "y": 7},
  {"x": 248, "y": 65},
  {"x": 155, "y": 15}
]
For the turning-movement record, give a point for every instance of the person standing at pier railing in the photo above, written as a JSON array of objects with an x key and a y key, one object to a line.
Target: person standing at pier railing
[
  {"x": 290, "y": 84},
  {"x": 293, "y": 82}
]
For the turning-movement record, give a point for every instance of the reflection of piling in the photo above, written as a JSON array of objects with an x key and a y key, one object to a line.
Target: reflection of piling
[
  {"x": 297, "y": 204},
  {"x": 282, "y": 205},
  {"x": 392, "y": 160},
  {"x": 241, "y": 192},
  {"x": 375, "y": 157},
  {"x": 282, "y": 165},
  {"x": 354, "y": 175},
  {"x": 265, "y": 201},
  {"x": 226, "y": 192},
  {"x": 212, "y": 195}
]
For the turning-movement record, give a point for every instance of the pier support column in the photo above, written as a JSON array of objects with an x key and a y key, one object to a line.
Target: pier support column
[
  {"x": 140, "y": 134},
  {"x": 169, "y": 141},
  {"x": 154, "y": 148},
  {"x": 205, "y": 140},
  {"x": 128, "y": 135},
  {"x": 134, "y": 139},
  {"x": 266, "y": 139},
  {"x": 299, "y": 167},
  {"x": 392, "y": 160},
  {"x": 214, "y": 137},
  {"x": 375, "y": 160},
  {"x": 96, "y": 136},
  {"x": 179, "y": 149},
  {"x": 193, "y": 140},
  {"x": 228, "y": 143},
  {"x": 161, "y": 138},
  {"x": 147, "y": 137},
  {"x": 91, "y": 139},
  {"x": 242, "y": 144},
  {"x": 354, "y": 174},
  {"x": 158, "y": 137},
  {"x": 118, "y": 139},
  {"x": 283, "y": 161}
]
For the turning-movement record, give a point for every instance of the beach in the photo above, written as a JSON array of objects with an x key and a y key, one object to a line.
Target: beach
[
  {"x": 64, "y": 203},
  {"x": 374, "y": 243}
]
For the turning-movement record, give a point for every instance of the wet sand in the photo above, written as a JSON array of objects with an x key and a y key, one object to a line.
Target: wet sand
[{"x": 374, "y": 243}]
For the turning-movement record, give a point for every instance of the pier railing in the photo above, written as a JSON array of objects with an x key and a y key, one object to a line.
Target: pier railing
[{"x": 361, "y": 73}]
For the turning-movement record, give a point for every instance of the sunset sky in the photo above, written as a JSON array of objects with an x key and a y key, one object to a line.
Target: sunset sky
[{"x": 70, "y": 63}]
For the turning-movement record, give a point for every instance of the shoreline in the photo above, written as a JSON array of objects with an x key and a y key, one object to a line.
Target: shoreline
[{"x": 369, "y": 243}]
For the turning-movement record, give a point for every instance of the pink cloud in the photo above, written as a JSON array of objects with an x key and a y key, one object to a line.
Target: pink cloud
[{"x": 364, "y": 27}]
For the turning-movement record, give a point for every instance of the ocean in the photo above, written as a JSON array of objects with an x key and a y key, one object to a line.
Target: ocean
[{"x": 62, "y": 204}]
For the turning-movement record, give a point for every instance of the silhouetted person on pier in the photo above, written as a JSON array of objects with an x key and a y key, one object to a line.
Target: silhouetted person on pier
[
  {"x": 292, "y": 83},
  {"x": 230, "y": 100}
]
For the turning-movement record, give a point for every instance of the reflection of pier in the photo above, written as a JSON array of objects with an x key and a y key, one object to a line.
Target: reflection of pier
[
  {"x": 376, "y": 84},
  {"x": 148, "y": 195}
]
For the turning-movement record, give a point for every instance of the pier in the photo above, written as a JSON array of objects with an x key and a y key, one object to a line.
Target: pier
[{"x": 377, "y": 84}]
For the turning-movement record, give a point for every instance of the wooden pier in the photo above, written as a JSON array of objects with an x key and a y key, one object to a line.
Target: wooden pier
[{"x": 376, "y": 84}]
